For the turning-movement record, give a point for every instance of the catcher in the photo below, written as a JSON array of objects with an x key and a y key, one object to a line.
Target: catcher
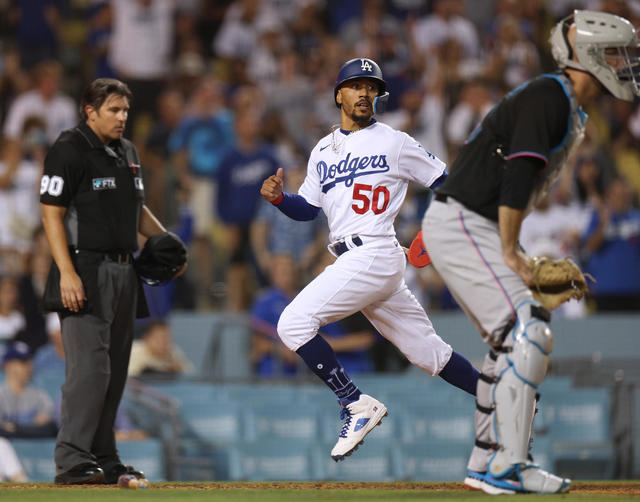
[{"x": 472, "y": 228}]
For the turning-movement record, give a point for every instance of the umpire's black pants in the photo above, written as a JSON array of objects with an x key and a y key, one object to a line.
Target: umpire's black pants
[{"x": 97, "y": 347}]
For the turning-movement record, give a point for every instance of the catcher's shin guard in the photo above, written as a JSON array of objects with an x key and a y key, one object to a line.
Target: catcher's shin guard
[
  {"x": 482, "y": 451},
  {"x": 514, "y": 395}
]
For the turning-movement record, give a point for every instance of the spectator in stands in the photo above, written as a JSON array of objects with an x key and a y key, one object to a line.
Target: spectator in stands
[
  {"x": 37, "y": 27},
  {"x": 155, "y": 355},
  {"x": 273, "y": 233},
  {"x": 446, "y": 22},
  {"x": 513, "y": 59},
  {"x": 10, "y": 467},
  {"x": 474, "y": 103},
  {"x": 554, "y": 230},
  {"x": 238, "y": 35},
  {"x": 50, "y": 357},
  {"x": 99, "y": 20},
  {"x": 12, "y": 321},
  {"x": 25, "y": 411},
  {"x": 197, "y": 145},
  {"x": 19, "y": 210},
  {"x": 14, "y": 80},
  {"x": 351, "y": 338},
  {"x": 240, "y": 177},
  {"x": 159, "y": 174},
  {"x": 140, "y": 53},
  {"x": 44, "y": 101},
  {"x": 35, "y": 269},
  {"x": 611, "y": 251}
]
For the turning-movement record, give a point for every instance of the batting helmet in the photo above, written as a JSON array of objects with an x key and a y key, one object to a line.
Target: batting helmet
[
  {"x": 161, "y": 258},
  {"x": 363, "y": 68}
]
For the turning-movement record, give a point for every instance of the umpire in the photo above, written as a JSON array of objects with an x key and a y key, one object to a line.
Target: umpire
[{"x": 92, "y": 200}]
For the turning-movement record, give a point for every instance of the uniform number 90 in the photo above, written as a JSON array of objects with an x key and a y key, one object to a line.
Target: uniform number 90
[
  {"x": 364, "y": 202},
  {"x": 51, "y": 185}
]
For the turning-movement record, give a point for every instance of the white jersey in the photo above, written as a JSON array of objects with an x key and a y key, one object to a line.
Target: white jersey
[{"x": 360, "y": 179}]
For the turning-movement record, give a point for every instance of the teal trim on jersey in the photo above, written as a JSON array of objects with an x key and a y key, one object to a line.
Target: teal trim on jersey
[{"x": 583, "y": 115}]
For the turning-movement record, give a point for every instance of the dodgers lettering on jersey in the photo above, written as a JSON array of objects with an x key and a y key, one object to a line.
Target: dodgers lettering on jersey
[{"x": 360, "y": 179}]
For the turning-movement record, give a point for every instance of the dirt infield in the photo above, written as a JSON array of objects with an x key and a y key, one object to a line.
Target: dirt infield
[{"x": 628, "y": 488}]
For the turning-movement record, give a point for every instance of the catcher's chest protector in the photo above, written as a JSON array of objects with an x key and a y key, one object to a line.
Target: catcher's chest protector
[{"x": 561, "y": 153}]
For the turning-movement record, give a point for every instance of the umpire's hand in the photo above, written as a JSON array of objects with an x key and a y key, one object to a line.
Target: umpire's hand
[
  {"x": 272, "y": 186},
  {"x": 72, "y": 291}
]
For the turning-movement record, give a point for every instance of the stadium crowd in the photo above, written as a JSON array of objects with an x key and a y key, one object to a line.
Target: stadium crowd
[{"x": 226, "y": 89}]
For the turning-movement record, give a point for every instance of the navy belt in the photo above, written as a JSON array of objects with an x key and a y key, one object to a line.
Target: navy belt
[{"x": 341, "y": 247}]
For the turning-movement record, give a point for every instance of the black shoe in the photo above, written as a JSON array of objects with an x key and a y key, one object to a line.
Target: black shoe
[
  {"x": 111, "y": 475},
  {"x": 81, "y": 474}
]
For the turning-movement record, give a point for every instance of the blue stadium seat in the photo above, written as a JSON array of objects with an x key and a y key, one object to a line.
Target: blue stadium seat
[
  {"x": 36, "y": 456},
  {"x": 50, "y": 381},
  {"x": 452, "y": 422},
  {"x": 147, "y": 456},
  {"x": 272, "y": 460},
  {"x": 579, "y": 415},
  {"x": 435, "y": 460},
  {"x": 219, "y": 422},
  {"x": 297, "y": 421},
  {"x": 373, "y": 461}
]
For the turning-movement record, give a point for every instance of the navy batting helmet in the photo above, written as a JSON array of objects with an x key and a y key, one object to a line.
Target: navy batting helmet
[{"x": 362, "y": 68}]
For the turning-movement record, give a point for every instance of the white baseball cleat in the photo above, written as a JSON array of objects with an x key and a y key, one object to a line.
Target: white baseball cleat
[{"x": 360, "y": 417}]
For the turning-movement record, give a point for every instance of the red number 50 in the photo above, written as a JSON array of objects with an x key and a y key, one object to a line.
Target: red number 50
[{"x": 360, "y": 194}]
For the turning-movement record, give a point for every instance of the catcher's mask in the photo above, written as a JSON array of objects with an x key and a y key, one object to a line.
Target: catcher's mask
[
  {"x": 606, "y": 46},
  {"x": 161, "y": 258}
]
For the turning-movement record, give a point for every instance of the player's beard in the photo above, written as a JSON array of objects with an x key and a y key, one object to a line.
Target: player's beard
[{"x": 361, "y": 119}]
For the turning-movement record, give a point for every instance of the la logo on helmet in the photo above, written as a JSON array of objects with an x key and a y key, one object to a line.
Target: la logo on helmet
[{"x": 365, "y": 65}]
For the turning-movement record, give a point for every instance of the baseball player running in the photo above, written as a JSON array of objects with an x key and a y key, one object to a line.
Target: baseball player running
[
  {"x": 471, "y": 232},
  {"x": 358, "y": 175}
]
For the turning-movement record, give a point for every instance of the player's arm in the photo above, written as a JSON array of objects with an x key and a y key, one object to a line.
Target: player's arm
[
  {"x": 294, "y": 206},
  {"x": 517, "y": 184}
]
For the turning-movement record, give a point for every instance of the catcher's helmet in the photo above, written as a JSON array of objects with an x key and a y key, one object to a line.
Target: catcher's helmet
[
  {"x": 600, "y": 39},
  {"x": 363, "y": 68},
  {"x": 161, "y": 258}
]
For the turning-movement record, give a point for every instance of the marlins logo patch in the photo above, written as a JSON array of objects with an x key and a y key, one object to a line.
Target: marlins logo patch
[{"x": 104, "y": 183}]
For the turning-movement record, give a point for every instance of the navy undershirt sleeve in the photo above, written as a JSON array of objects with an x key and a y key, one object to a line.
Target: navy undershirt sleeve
[
  {"x": 296, "y": 207},
  {"x": 438, "y": 182}
]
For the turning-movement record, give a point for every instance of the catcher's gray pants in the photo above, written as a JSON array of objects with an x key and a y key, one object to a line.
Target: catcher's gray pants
[
  {"x": 97, "y": 350},
  {"x": 466, "y": 251}
]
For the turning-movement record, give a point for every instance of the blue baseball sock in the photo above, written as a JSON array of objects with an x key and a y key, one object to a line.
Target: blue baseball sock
[
  {"x": 461, "y": 373},
  {"x": 321, "y": 359}
]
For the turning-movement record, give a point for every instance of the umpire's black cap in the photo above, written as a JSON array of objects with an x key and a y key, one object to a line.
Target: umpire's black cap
[{"x": 161, "y": 258}]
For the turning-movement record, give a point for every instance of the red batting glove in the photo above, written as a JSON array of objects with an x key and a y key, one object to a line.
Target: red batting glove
[{"x": 418, "y": 256}]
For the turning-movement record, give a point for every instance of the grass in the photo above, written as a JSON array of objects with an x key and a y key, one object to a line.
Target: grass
[{"x": 301, "y": 492}]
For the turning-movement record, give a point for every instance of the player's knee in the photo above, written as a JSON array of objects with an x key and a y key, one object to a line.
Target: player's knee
[
  {"x": 293, "y": 329},
  {"x": 532, "y": 345}
]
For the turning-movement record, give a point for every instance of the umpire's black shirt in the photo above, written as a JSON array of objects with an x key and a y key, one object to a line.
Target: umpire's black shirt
[{"x": 101, "y": 185}]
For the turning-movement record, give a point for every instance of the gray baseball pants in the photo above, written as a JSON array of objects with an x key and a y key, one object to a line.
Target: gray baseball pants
[{"x": 97, "y": 349}]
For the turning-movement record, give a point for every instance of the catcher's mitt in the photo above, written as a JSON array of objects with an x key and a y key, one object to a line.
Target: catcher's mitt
[
  {"x": 557, "y": 281},
  {"x": 162, "y": 256}
]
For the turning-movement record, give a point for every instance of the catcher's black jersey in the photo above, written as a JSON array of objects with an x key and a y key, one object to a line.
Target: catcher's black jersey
[
  {"x": 101, "y": 185},
  {"x": 532, "y": 120}
]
